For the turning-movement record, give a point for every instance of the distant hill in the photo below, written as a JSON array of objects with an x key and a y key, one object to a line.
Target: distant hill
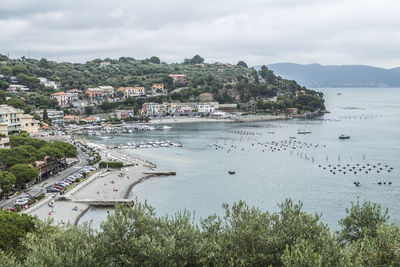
[{"x": 316, "y": 75}]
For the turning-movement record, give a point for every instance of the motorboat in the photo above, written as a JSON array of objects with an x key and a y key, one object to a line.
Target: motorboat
[
  {"x": 231, "y": 172},
  {"x": 342, "y": 136}
]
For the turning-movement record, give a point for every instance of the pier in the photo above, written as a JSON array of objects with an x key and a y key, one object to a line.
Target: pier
[
  {"x": 99, "y": 202},
  {"x": 160, "y": 173}
]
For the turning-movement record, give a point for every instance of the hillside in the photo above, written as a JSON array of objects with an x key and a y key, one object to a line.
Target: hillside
[
  {"x": 316, "y": 75},
  {"x": 226, "y": 82}
]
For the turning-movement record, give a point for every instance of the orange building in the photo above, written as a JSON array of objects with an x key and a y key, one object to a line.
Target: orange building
[{"x": 158, "y": 86}]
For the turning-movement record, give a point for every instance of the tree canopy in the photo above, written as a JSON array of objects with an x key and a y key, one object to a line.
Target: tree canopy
[
  {"x": 244, "y": 236},
  {"x": 24, "y": 173}
]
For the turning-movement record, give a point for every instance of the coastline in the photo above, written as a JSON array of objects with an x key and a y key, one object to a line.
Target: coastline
[
  {"x": 102, "y": 186},
  {"x": 247, "y": 118}
]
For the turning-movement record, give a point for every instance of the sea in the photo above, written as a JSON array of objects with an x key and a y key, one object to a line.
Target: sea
[{"x": 272, "y": 162}]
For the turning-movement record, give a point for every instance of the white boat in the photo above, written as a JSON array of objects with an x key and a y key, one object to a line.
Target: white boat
[{"x": 304, "y": 131}]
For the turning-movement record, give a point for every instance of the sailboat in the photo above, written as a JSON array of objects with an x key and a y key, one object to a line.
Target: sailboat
[{"x": 304, "y": 131}]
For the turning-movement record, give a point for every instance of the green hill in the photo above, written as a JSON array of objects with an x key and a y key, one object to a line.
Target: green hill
[{"x": 227, "y": 83}]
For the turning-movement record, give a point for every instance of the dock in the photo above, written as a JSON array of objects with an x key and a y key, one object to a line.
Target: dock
[
  {"x": 99, "y": 202},
  {"x": 160, "y": 173}
]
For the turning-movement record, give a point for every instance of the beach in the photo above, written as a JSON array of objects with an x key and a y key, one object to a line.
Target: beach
[{"x": 103, "y": 185}]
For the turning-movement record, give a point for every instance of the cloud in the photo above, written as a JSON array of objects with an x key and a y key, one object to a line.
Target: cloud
[{"x": 257, "y": 31}]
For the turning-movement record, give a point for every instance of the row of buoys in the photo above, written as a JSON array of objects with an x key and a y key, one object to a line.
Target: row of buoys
[
  {"x": 357, "y": 168},
  {"x": 382, "y": 183}
]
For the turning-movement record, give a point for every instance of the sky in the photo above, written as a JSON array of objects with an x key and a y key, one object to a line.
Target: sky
[{"x": 330, "y": 32}]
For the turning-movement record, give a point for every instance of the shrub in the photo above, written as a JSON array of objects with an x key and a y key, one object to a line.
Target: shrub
[
  {"x": 40, "y": 196},
  {"x": 111, "y": 164}
]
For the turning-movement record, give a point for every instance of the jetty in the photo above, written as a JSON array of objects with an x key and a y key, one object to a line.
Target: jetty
[
  {"x": 98, "y": 202},
  {"x": 160, "y": 173}
]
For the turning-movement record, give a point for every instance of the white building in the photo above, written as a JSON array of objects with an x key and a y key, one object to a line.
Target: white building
[
  {"x": 205, "y": 108},
  {"x": 48, "y": 83},
  {"x": 17, "y": 88}
]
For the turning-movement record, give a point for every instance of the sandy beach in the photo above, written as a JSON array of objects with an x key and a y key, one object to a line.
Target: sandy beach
[{"x": 104, "y": 185}]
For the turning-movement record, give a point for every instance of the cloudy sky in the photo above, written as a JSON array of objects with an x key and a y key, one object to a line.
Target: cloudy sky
[{"x": 256, "y": 31}]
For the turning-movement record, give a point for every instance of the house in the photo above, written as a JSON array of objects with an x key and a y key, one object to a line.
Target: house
[
  {"x": 100, "y": 93},
  {"x": 108, "y": 91},
  {"x": 95, "y": 94},
  {"x": 55, "y": 116},
  {"x": 48, "y": 83},
  {"x": 178, "y": 78},
  {"x": 73, "y": 94},
  {"x": 132, "y": 91},
  {"x": 62, "y": 99},
  {"x": 150, "y": 109},
  {"x": 69, "y": 118},
  {"x": 11, "y": 116},
  {"x": 78, "y": 104},
  {"x": 48, "y": 166},
  {"x": 29, "y": 124},
  {"x": 17, "y": 88},
  {"x": 12, "y": 119},
  {"x": 105, "y": 63},
  {"x": 123, "y": 114},
  {"x": 157, "y": 87},
  {"x": 90, "y": 119}
]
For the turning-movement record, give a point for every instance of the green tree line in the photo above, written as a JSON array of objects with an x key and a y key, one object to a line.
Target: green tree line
[
  {"x": 244, "y": 236},
  {"x": 18, "y": 162}
]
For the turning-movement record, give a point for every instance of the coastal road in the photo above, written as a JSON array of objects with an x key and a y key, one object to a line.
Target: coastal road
[{"x": 41, "y": 187}]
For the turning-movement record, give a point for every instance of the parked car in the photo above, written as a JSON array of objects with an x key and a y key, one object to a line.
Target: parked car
[
  {"x": 57, "y": 187},
  {"x": 62, "y": 184},
  {"x": 71, "y": 178},
  {"x": 53, "y": 190},
  {"x": 77, "y": 175},
  {"x": 21, "y": 201},
  {"x": 68, "y": 181}
]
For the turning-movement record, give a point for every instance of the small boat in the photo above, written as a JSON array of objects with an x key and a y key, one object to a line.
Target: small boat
[
  {"x": 342, "y": 136},
  {"x": 231, "y": 172},
  {"x": 271, "y": 132},
  {"x": 303, "y": 131},
  {"x": 106, "y": 137},
  {"x": 339, "y": 94},
  {"x": 292, "y": 137}
]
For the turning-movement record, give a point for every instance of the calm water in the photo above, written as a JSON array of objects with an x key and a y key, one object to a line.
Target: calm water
[{"x": 264, "y": 176}]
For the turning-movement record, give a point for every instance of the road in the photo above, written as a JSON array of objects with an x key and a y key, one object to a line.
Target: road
[{"x": 41, "y": 187}]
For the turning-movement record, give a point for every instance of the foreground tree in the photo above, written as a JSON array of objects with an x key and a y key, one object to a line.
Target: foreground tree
[
  {"x": 245, "y": 236},
  {"x": 14, "y": 227},
  {"x": 362, "y": 220}
]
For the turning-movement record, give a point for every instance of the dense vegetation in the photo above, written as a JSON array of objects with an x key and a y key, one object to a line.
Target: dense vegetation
[
  {"x": 245, "y": 236},
  {"x": 227, "y": 83},
  {"x": 111, "y": 164},
  {"x": 17, "y": 162}
]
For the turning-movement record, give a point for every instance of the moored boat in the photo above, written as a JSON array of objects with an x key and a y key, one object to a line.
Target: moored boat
[{"x": 342, "y": 136}]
